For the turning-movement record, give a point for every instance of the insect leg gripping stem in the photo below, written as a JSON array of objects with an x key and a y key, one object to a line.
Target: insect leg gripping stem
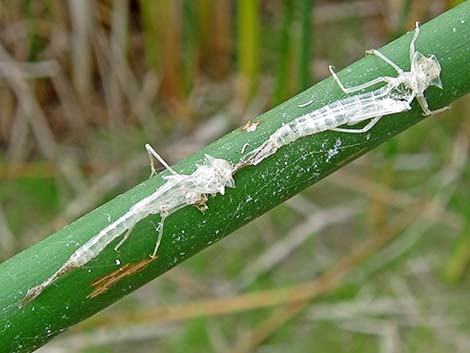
[{"x": 152, "y": 153}]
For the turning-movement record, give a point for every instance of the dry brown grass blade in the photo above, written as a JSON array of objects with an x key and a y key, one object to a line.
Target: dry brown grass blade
[
  {"x": 31, "y": 110},
  {"x": 118, "y": 40},
  {"x": 81, "y": 16}
]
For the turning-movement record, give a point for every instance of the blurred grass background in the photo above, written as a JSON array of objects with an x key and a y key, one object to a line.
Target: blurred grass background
[{"x": 84, "y": 84}]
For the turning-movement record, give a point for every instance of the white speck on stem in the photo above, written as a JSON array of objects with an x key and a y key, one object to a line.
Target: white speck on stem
[
  {"x": 305, "y": 104},
  {"x": 333, "y": 151}
]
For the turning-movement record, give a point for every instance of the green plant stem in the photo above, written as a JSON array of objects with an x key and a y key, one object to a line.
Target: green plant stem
[
  {"x": 258, "y": 189},
  {"x": 285, "y": 52},
  {"x": 248, "y": 32},
  {"x": 150, "y": 25},
  {"x": 459, "y": 262},
  {"x": 305, "y": 78}
]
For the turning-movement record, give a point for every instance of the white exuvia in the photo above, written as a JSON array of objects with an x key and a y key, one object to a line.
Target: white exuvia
[
  {"x": 179, "y": 191},
  {"x": 394, "y": 97}
]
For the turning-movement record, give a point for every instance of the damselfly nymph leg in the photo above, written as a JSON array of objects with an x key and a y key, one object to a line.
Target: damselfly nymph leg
[
  {"x": 413, "y": 41},
  {"x": 426, "y": 111},
  {"x": 353, "y": 89},
  {"x": 152, "y": 154},
  {"x": 366, "y": 128},
  {"x": 124, "y": 238},
  {"x": 378, "y": 54},
  {"x": 159, "y": 230}
]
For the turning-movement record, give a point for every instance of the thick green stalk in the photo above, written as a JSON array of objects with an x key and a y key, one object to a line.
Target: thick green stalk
[
  {"x": 305, "y": 77},
  {"x": 150, "y": 25},
  {"x": 248, "y": 37},
  {"x": 258, "y": 189},
  {"x": 285, "y": 52}
]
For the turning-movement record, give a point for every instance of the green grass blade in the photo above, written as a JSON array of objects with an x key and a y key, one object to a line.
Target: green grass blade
[
  {"x": 285, "y": 52},
  {"x": 248, "y": 42},
  {"x": 306, "y": 43}
]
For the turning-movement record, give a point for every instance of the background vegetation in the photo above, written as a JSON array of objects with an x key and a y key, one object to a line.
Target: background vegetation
[{"x": 86, "y": 84}]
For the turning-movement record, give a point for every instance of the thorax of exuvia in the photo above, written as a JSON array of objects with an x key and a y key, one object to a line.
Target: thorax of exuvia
[{"x": 409, "y": 80}]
